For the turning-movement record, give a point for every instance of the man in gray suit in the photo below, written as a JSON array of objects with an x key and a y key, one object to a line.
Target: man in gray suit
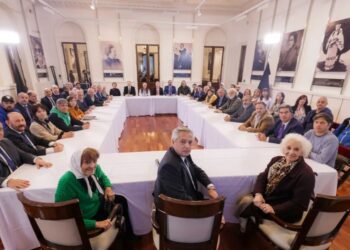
[
  {"x": 232, "y": 104},
  {"x": 177, "y": 174},
  {"x": 244, "y": 112},
  {"x": 11, "y": 158}
]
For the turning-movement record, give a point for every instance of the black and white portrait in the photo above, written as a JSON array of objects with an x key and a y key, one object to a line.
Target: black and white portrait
[{"x": 259, "y": 56}]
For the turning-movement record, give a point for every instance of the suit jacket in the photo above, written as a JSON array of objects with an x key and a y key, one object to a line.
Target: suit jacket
[
  {"x": 184, "y": 90},
  {"x": 22, "y": 110},
  {"x": 292, "y": 127},
  {"x": 265, "y": 123},
  {"x": 169, "y": 91},
  {"x": 46, "y": 102},
  {"x": 75, "y": 125},
  {"x": 242, "y": 114},
  {"x": 292, "y": 195},
  {"x": 114, "y": 92},
  {"x": 19, "y": 141},
  {"x": 231, "y": 106},
  {"x": 154, "y": 91},
  {"x": 88, "y": 101},
  {"x": 173, "y": 179},
  {"x": 18, "y": 156},
  {"x": 131, "y": 92},
  {"x": 217, "y": 102}
]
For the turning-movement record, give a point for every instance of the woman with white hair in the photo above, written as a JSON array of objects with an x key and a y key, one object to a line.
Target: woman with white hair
[{"x": 285, "y": 187}]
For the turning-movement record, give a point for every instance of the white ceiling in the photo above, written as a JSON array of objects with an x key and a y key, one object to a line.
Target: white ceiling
[{"x": 230, "y": 7}]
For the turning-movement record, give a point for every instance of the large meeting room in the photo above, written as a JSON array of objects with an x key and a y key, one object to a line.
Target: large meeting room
[{"x": 174, "y": 124}]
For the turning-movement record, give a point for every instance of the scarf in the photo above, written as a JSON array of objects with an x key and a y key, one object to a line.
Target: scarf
[
  {"x": 75, "y": 168},
  {"x": 277, "y": 172},
  {"x": 64, "y": 116}
]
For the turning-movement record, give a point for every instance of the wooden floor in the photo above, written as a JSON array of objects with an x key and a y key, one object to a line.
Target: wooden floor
[{"x": 154, "y": 133}]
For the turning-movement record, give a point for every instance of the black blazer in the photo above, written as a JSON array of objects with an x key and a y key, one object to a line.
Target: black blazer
[
  {"x": 292, "y": 195},
  {"x": 88, "y": 101},
  {"x": 46, "y": 102},
  {"x": 293, "y": 127},
  {"x": 132, "y": 91},
  {"x": 20, "y": 143},
  {"x": 22, "y": 110},
  {"x": 173, "y": 179},
  {"x": 154, "y": 92},
  {"x": 114, "y": 92},
  {"x": 18, "y": 156},
  {"x": 75, "y": 125},
  {"x": 216, "y": 103}
]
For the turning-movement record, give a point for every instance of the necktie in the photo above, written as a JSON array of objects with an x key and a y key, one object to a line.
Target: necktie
[
  {"x": 28, "y": 113},
  {"x": 189, "y": 173},
  {"x": 27, "y": 140},
  {"x": 7, "y": 159},
  {"x": 52, "y": 101},
  {"x": 280, "y": 132}
]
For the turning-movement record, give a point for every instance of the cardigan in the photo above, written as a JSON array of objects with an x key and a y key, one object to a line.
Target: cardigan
[
  {"x": 50, "y": 133},
  {"x": 70, "y": 188}
]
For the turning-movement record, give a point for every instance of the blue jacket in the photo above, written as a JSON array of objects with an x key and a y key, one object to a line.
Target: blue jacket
[
  {"x": 217, "y": 102},
  {"x": 169, "y": 91},
  {"x": 308, "y": 122},
  {"x": 3, "y": 116},
  {"x": 292, "y": 127},
  {"x": 343, "y": 133}
]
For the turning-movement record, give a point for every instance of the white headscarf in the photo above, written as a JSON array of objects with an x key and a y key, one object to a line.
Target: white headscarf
[{"x": 75, "y": 168}]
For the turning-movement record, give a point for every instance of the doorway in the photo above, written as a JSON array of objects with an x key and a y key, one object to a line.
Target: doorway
[
  {"x": 241, "y": 63},
  {"x": 147, "y": 63},
  {"x": 76, "y": 61},
  {"x": 212, "y": 65}
]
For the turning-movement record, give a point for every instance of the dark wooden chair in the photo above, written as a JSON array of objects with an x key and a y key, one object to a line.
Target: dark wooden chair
[
  {"x": 317, "y": 229},
  {"x": 60, "y": 225},
  {"x": 191, "y": 225}
]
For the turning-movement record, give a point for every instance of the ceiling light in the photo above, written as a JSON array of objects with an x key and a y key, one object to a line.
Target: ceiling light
[
  {"x": 9, "y": 37},
  {"x": 199, "y": 13},
  {"x": 93, "y": 4},
  {"x": 272, "y": 38}
]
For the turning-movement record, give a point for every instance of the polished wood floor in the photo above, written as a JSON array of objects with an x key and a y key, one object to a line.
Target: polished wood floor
[{"x": 154, "y": 133}]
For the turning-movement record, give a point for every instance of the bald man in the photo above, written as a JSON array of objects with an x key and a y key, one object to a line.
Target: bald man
[
  {"x": 24, "y": 107},
  {"x": 26, "y": 141},
  {"x": 321, "y": 107}
]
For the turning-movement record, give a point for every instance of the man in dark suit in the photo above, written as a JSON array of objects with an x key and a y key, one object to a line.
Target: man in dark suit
[
  {"x": 321, "y": 107},
  {"x": 24, "y": 107},
  {"x": 90, "y": 98},
  {"x": 286, "y": 124},
  {"x": 129, "y": 90},
  {"x": 170, "y": 89},
  {"x": 24, "y": 140},
  {"x": 222, "y": 98},
  {"x": 48, "y": 101},
  {"x": 56, "y": 92},
  {"x": 178, "y": 174},
  {"x": 11, "y": 158},
  {"x": 158, "y": 90}
]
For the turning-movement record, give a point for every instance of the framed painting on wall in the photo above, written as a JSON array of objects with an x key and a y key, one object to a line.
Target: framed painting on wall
[
  {"x": 182, "y": 60},
  {"x": 112, "y": 60},
  {"x": 39, "y": 57}
]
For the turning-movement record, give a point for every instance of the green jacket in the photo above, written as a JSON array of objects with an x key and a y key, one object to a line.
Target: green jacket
[{"x": 70, "y": 188}]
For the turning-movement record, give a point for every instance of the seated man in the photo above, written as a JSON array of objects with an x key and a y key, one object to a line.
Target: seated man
[
  {"x": 25, "y": 140},
  {"x": 232, "y": 104},
  {"x": 343, "y": 133},
  {"x": 259, "y": 121},
  {"x": 11, "y": 158},
  {"x": 158, "y": 90},
  {"x": 33, "y": 97},
  {"x": 99, "y": 95},
  {"x": 90, "y": 98},
  {"x": 7, "y": 106},
  {"x": 222, "y": 99},
  {"x": 177, "y": 174},
  {"x": 285, "y": 124},
  {"x": 129, "y": 90},
  {"x": 170, "y": 89},
  {"x": 24, "y": 107},
  {"x": 48, "y": 101},
  {"x": 244, "y": 112},
  {"x": 81, "y": 102},
  {"x": 321, "y": 107},
  {"x": 194, "y": 89},
  {"x": 324, "y": 142},
  {"x": 61, "y": 118},
  {"x": 204, "y": 93},
  {"x": 56, "y": 92}
]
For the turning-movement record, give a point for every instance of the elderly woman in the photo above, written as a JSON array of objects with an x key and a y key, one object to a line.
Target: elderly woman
[
  {"x": 285, "y": 187},
  {"x": 73, "y": 109},
  {"x": 41, "y": 126},
  {"x": 87, "y": 182}
]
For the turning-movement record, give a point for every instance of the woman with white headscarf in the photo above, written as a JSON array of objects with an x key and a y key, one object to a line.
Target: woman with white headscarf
[{"x": 87, "y": 182}]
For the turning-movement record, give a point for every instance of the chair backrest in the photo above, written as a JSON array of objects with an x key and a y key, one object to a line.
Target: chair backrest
[
  {"x": 58, "y": 225},
  {"x": 323, "y": 221},
  {"x": 189, "y": 224}
]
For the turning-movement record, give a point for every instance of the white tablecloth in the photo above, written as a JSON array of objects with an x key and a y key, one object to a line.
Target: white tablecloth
[
  {"x": 144, "y": 105},
  {"x": 231, "y": 167}
]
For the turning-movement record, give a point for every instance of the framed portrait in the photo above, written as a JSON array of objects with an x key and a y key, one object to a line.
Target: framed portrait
[
  {"x": 334, "y": 57},
  {"x": 112, "y": 60},
  {"x": 182, "y": 60},
  {"x": 259, "y": 56},
  {"x": 39, "y": 57}
]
